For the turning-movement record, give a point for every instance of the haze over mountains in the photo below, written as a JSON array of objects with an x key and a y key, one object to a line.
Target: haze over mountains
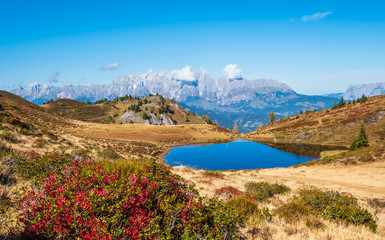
[{"x": 228, "y": 99}]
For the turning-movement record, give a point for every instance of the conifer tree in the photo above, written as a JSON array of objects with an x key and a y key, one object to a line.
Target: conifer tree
[
  {"x": 362, "y": 140},
  {"x": 364, "y": 98},
  {"x": 272, "y": 117},
  {"x": 235, "y": 128},
  {"x": 342, "y": 102}
]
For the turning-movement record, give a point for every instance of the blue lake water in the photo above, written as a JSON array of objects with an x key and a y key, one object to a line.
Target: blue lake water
[{"x": 235, "y": 155}]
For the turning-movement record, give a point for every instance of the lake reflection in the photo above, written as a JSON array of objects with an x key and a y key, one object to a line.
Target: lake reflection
[{"x": 235, "y": 155}]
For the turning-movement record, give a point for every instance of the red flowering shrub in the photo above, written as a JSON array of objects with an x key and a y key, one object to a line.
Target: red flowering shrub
[{"x": 83, "y": 201}]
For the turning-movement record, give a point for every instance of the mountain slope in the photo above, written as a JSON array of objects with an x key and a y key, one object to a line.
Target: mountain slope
[
  {"x": 221, "y": 98},
  {"x": 153, "y": 109},
  {"x": 26, "y": 126},
  {"x": 372, "y": 89},
  {"x": 334, "y": 126}
]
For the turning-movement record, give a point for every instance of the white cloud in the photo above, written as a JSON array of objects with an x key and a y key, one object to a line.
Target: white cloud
[
  {"x": 203, "y": 70},
  {"x": 111, "y": 66},
  {"x": 183, "y": 74},
  {"x": 315, "y": 16},
  {"x": 53, "y": 77},
  {"x": 32, "y": 84},
  {"x": 232, "y": 71},
  {"x": 11, "y": 85}
]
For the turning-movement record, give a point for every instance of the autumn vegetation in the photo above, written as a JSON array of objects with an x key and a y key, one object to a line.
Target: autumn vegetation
[{"x": 68, "y": 179}]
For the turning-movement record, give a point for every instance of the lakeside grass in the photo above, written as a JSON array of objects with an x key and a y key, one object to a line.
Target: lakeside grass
[{"x": 263, "y": 221}]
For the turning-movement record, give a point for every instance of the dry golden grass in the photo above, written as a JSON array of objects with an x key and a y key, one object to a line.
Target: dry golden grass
[
  {"x": 363, "y": 181},
  {"x": 336, "y": 127},
  {"x": 170, "y": 135}
]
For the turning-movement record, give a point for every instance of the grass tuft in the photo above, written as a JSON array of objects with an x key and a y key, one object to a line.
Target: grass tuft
[
  {"x": 262, "y": 191},
  {"x": 213, "y": 174}
]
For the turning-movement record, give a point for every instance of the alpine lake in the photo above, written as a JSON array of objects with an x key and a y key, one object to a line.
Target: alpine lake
[{"x": 242, "y": 154}]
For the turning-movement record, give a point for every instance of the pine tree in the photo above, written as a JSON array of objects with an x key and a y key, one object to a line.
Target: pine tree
[
  {"x": 342, "y": 102},
  {"x": 301, "y": 112},
  {"x": 362, "y": 140},
  {"x": 272, "y": 117},
  {"x": 364, "y": 98},
  {"x": 235, "y": 128}
]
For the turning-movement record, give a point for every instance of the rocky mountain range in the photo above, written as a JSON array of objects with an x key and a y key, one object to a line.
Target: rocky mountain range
[
  {"x": 372, "y": 89},
  {"x": 356, "y": 91},
  {"x": 226, "y": 100}
]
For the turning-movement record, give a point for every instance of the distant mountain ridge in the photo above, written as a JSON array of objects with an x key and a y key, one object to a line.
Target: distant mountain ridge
[
  {"x": 371, "y": 89},
  {"x": 225, "y": 100},
  {"x": 223, "y": 90}
]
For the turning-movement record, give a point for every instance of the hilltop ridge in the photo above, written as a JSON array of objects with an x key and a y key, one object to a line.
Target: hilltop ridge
[
  {"x": 152, "y": 109},
  {"x": 68, "y": 125},
  {"x": 329, "y": 126}
]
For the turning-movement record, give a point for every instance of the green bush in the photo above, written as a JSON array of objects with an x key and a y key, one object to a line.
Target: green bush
[
  {"x": 244, "y": 206},
  {"x": 30, "y": 164},
  {"x": 330, "y": 205},
  {"x": 109, "y": 153},
  {"x": 39, "y": 142},
  {"x": 375, "y": 202},
  {"x": 9, "y": 137},
  {"x": 262, "y": 191}
]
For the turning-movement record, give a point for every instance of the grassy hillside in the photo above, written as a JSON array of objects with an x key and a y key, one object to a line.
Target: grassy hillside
[
  {"x": 332, "y": 126},
  {"x": 154, "y": 110},
  {"x": 26, "y": 126}
]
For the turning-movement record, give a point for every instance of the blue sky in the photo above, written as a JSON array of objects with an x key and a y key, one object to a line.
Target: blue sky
[{"x": 314, "y": 46}]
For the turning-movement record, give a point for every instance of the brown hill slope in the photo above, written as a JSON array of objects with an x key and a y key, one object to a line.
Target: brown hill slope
[
  {"x": 29, "y": 127},
  {"x": 80, "y": 111},
  {"x": 334, "y": 126},
  {"x": 154, "y": 110}
]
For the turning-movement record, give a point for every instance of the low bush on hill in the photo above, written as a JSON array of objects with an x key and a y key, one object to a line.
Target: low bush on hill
[
  {"x": 262, "y": 191},
  {"x": 248, "y": 211},
  {"x": 39, "y": 142},
  {"x": 30, "y": 164},
  {"x": 244, "y": 206},
  {"x": 330, "y": 205},
  {"x": 228, "y": 192},
  {"x": 88, "y": 200},
  {"x": 108, "y": 153},
  {"x": 213, "y": 174},
  {"x": 6, "y": 136},
  {"x": 375, "y": 202}
]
